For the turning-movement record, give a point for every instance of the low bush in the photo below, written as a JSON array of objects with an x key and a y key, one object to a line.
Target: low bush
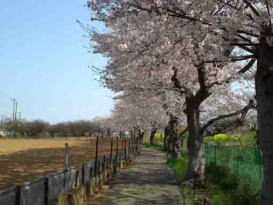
[
  {"x": 222, "y": 139},
  {"x": 155, "y": 146},
  {"x": 179, "y": 166},
  {"x": 241, "y": 190},
  {"x": 221, "y": 198},
  {"x": 196, "y": 196},
  {"x": 223, "y": 186},
  {"x": 159, "y": 136},
  {"x": 222, "y": 176},
  {"x": 244, "y": 139}
]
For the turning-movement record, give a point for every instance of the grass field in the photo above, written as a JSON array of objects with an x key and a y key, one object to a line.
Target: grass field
[{"x": 25, "y": 159}]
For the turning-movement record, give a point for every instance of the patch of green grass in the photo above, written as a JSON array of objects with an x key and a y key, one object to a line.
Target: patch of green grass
[
  {"x": 179, "y": 166},
  {"x": 221, "y": 198},
  {"x": 223, "y": 186},
  {"x": 211, "y": 195},
  {"x": 245, "y": 162},
  {"x": 240, "y": 189},
  {"x": 155, "y": 146}
]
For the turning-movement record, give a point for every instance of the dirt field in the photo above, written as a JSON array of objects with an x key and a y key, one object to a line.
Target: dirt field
[{"x": 25, "y": 159}]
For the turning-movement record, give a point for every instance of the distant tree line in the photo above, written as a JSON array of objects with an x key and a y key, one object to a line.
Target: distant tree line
[{"x": 41, "y": 129}]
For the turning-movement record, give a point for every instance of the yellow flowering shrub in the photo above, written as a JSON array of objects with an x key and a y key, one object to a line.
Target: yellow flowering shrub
[{"x": 223, "y": 139}]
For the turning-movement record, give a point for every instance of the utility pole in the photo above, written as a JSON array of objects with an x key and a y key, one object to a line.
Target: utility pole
[
  {"x": 19, "y": 114},
  {"x": 14, "y": 109},
  {"x": 14, "y": 116},
  {"x": 2, "y": 120}
]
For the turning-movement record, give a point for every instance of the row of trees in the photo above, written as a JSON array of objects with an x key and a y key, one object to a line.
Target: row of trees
[
  {"x": 41, "y": 129},
  {"x": 202, "y": 63}
]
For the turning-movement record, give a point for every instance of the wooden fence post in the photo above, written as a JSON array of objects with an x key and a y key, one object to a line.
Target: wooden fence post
[
  {"x": 111, "y": 152},
  {"x": 117, "y": 150},
  {"x": 237, "y": 159},
  {"x": 115, "y": 167},
  {"x": 46, "y": 191},
  {"x": 103, "y": 169},
  {"x": 227, "y": 148},
  {"x": 18, "y": 195},
  {"x": 139, "y": 145},
  {"x": 122, "y": 149},
  {"x": 125, "y": 146},
  {"x": 137, "y": 148},
  {"x": 129, "y": 147},
  {"x": 134, "y": 144},
  {"x": 66, "y": 157},
  {"x": 96, "y": 157},
  {"x": 260, "y": 163},
  {"x": 215, "y": 155}
]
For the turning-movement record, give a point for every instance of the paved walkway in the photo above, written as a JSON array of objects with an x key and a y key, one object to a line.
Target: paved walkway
[{"x": 149, "y": 180}]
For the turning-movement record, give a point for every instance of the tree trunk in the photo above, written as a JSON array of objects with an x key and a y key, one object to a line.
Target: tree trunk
[
  {"x": 169, "y": 143},
  {"x": 141, "y": 136},
  {"x": 166, "y": 145},
  {"x": 174, "y": 138},
  {"x": 183, "y": 137},
  {"x": 182, "y": 140},
  {"x": 264, "y": 96},
  {"x": 196, "y": 165},
  {"x": 152, "y": 136}
]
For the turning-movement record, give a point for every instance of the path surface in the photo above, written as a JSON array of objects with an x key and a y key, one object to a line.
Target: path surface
[{"x": 149, "y": 180}]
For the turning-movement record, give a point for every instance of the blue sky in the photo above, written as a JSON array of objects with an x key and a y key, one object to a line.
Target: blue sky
[{"x": 43, "y": 62}]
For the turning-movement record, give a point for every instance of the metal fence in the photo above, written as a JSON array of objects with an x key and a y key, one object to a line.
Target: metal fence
[
  {"x": 46, "y": 189},
  {"x": 244, "y": 161}
]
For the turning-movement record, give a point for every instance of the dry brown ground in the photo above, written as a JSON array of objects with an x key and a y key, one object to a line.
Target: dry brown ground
[{"x": 25, "y": 159}]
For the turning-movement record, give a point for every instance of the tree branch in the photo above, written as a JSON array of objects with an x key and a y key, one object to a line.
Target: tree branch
[
  {"x": 250, "y": 5},
  {"x": 241, "y": 112},
  {"x": 203, "y": 91},
  {"x": 177, "y": 83},
  {"x": 241, "y": 58},
  {"x": 248, "y": 66},
  {"x": 250, "y": 50}
]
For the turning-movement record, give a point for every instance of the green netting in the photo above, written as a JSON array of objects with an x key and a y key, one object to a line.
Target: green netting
[{"x": 244, "y": 161}]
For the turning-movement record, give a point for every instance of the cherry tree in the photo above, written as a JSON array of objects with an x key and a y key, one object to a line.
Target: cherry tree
[
  {"x": 133, "y": 114},
  {"x": 246, "y": 28},
  {"x": 105, "y": 124},
  {"x": 153, "y": 113},
  {"x": 165, "y": 54}
]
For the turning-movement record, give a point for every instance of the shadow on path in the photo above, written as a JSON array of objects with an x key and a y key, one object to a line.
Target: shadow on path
[{"x": 148, "y": 181}]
